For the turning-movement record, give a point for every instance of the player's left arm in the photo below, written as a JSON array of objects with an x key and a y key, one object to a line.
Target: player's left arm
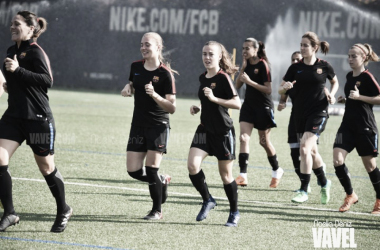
[
  {"x": 334, "y": 88},
  {"x": 2, "y": 83},
  {"x": 355, "y": 95},
  {"x": 233, "y": 103},
  {"x": 168, "y": 103}
]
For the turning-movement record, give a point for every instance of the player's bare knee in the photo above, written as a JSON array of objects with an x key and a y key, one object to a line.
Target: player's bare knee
[
  {"x": 244, "y": 138},
  {"x": 338, "y": 162}
]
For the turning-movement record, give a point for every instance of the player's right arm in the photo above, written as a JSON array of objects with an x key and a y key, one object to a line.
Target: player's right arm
[
  {"x": 128, "y": 90},
  {"x": 3, "y": 84}
]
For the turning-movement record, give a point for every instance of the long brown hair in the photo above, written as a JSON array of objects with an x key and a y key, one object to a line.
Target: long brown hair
[
  {"x": 325, "y": 46},
  {"x": 226, "y": 61},
  {"x": 31, "y": 19},
  {"x": 261, "y": 53}
]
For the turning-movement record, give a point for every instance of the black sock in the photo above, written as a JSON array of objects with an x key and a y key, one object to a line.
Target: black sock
[
  {"x": 273, "y": 162},
  {"x": 138, "y": 175},
  {"x": 199, "y": 182},
  {"x": 155, "y": 187},
  {"x": 321, "y": 176},
  {"x": 374, "y": 176},
  {"x": 305, "y": 179},
  {"x": 344, "y": 178},
  {"x": 232, "y": 195},
  {"x": 6, "y": 190},
  {"x": 295, "y": 154},
  {"x": 243, "y": 162},
  {"x": 57, "y": 188}
]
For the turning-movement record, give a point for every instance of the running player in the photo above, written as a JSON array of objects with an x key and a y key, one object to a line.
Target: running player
[
  {"x": 257, "y": 109},
  {"x": 358, "y": 129},
  {"x": 152, "y": 82},
  {"x": 28, "y": 75},
  {"x": 293, "y": 138},
  {"x": 215, "y": 136},
  {"x": 308, "y": 80}
]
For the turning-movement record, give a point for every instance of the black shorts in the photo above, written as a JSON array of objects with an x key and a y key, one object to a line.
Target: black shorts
[
  {"x": 261, "y": 118},
  {"x": 142, "y": 139},
  {"x": 222, "y": 146},
  {"x": 39, "y": 135},
  {"x": 293, "y": 137},
  {"x": 315, "y": 124},
  {"x": 365, "y": 140}
]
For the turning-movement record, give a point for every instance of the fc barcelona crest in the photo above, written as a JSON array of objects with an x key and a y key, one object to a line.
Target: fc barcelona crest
[
  {"x": 155, "y": 78},
  {"x": 358, "y": 84},
  {"x": 213, "y": 85},
  {"x": 319, "y": 71},
  {"x": 22, "y": 55},
  {"x": 256, "y": 71}
]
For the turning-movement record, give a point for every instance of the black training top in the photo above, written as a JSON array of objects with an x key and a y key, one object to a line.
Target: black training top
[
  {"x": 215, "y": 117},
  {"x": 260, "y": 74},
  {"x": 358, "y": 112},
  {"x": 28, "y": 84},
  {"x": 147, "y": 113},
  {"x": 308, "y": 91}
]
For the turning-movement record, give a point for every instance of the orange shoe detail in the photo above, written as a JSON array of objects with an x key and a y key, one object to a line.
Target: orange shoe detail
[
  {"x": 241, "y": 181},
  {"x": 274, "y": 182},
  {"x": 376, "y": 208},
  {"x": 348, "y": 201}
]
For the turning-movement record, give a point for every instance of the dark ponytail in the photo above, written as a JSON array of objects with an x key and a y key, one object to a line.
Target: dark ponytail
[
  {"x": 261, "y": 48},
  {"x": 314, "y": 41},
  {"x": 39, "y": 23}
]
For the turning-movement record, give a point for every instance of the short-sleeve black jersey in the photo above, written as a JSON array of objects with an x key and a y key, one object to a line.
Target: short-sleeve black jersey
[
  {"x": 260, "y": 74},
  {"x": 28, "y": 85},
  {"x": 215, "y": 117},
  {"x": 308, "y": 92},
  {"x": 358, "y": 112},
  {"x": 147, "y": 113}
]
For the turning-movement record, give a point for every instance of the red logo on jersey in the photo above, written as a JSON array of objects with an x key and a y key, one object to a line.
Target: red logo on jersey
[
  {"x": 256, "y": 71},
  {"x": 358, "y": 84},
  {"x": 315, "y": 127},
  {"x": 213, "y": 85},
  {"x": 319, "y": 71},
  {"x": 155, "y": 78}
]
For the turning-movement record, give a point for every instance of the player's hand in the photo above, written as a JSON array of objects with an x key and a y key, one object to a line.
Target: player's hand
[
  {"x": 194, "y": 109},
  {"x": 354, "y": 94},
  {"x": 209, "y": 94},
  {"x": 11, "y": 64},
  {"x": 281, "y": 106},
  {"x": 289, "y": 85},
  {"x": 244, "y": 77},
  {"x": 127, "y": 90},
  {"x": 149, "y": 89},
  {"x": 5, "y": 87},
  {"x": 341, "y": 99}
]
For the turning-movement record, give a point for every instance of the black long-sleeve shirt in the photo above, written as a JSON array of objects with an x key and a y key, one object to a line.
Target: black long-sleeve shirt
[{"x": 28, "y": 84}]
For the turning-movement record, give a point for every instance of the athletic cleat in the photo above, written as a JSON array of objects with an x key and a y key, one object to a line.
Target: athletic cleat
[
  {"x": 165, "y": 182},
  {"x": 241, "y": 181},
  {"x": 61, "y": 220},
  {"x": 9, "y": 220},
  {"x": 348, "y": 201},
  {"x": 325, "y": 193},
  {"x": 299, "y": 190},
  {"x": 324, "y": 170},
  {"x": 376, "y": 208},
  {"x": 233, "y": 219},
  {"x": 153, "y": 215},
  {"x": 276, "y": 176},
  {"x": 300, "y": 197},
  {"x": 206, "y": 207}
]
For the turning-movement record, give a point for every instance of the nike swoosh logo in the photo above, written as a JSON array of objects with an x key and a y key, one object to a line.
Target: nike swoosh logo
[
  {"x": 136, "y": 74},
  {"x": 315, "y": 127},
  {"x": 299, "y": 71}
]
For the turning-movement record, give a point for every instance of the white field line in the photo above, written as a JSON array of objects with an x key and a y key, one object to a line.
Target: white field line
[{"x": 192, "y": 195}]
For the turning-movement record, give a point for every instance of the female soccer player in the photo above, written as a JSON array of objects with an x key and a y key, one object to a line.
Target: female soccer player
[
  {"x": 257, "y": 109},
  {"x": 152, "y": 82},
  {"x": 29, "y": 117},
  {"x": 358, "y": 129},
  {"x": 293, "y": 138},
  {"x": 308, "y": 80},
  {"x": 215, "y": 135}
]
